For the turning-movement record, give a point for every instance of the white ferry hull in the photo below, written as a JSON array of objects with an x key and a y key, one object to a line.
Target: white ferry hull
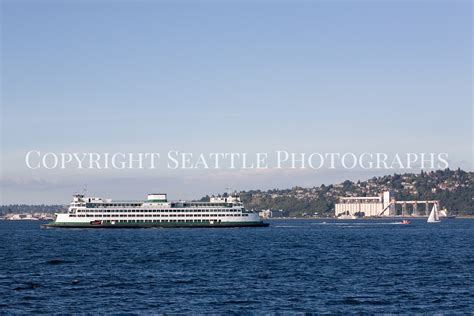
[
  {"x": 156, "y": 212},
  {"x": 157, "y": 225}
]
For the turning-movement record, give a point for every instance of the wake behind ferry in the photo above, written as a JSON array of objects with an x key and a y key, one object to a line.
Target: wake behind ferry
[{"x": 156, "y": 211}]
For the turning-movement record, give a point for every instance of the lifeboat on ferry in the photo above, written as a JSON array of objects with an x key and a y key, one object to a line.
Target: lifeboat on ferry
[{"x": 96, "y": 222}]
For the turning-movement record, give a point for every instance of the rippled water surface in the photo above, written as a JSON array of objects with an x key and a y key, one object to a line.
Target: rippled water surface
[{"x": 291, "y": 266}]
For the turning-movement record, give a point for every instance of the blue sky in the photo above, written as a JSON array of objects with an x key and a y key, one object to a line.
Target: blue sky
[{"x": 244, "y": 76}]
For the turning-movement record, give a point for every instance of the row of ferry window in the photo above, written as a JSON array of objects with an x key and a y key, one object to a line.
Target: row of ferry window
[
  {"x": 96, "y": 205},
  {"x": 92, "y": 205},
  {"x": 157, "y": 211},
  {"x": 171, "y": 215},
  {"x": 209, "y": 204}
]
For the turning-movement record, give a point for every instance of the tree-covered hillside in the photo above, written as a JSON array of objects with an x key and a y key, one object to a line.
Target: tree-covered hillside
[{"x": 454, "y": 189}]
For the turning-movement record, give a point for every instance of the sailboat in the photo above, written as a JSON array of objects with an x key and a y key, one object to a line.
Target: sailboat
[{"x": 434, "y": 216}]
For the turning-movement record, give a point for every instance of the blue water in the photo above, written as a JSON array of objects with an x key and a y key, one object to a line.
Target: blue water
[{"x": 291, "y": 266}]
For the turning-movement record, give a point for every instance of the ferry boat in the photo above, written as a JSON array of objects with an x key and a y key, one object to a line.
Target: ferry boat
[{"x": 156, "y": 211}]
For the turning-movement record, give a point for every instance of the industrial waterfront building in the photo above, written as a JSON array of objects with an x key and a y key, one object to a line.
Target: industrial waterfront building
[{"x": 381, "y": 205}]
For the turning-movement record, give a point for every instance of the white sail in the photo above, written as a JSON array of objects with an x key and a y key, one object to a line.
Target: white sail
[{"x": 433, "y": 218}]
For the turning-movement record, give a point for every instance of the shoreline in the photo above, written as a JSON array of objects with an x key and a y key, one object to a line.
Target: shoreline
[{"x": 365, "y": 218}]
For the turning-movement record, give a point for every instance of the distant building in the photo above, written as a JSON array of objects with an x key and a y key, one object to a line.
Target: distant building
[
  {"x": 382, "y": 205},
  {"x": 20, "y": 217},
  {"x": 363, "y": 206}
]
